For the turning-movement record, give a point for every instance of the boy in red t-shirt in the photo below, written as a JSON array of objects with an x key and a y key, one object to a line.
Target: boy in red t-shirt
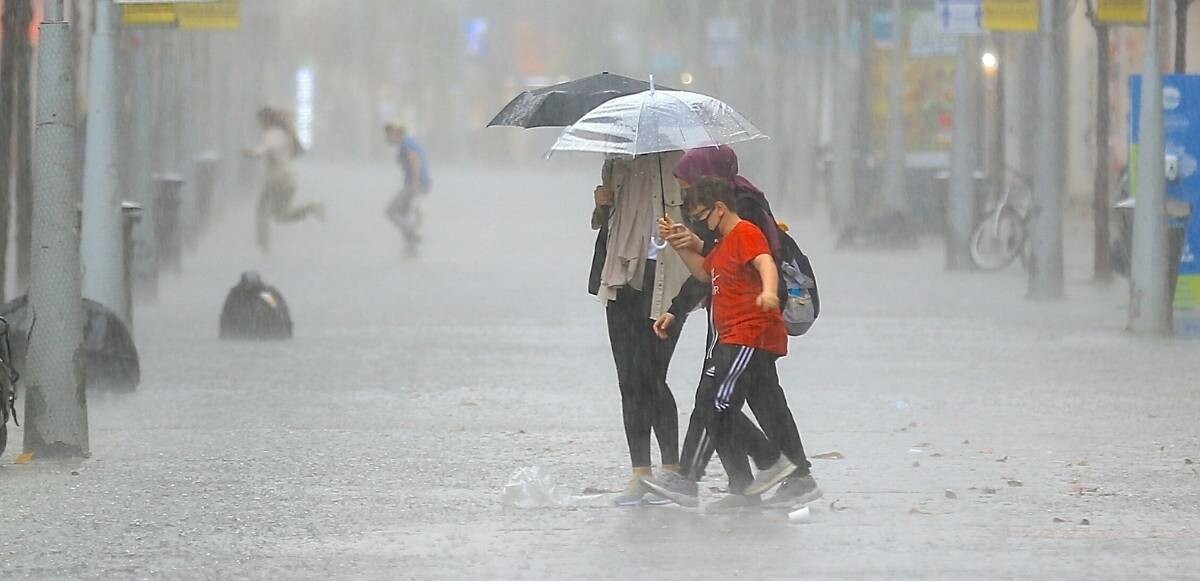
[{"x": 750, "y": 336}]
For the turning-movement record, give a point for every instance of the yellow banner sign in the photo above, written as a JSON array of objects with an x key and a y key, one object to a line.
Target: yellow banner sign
[
  {"x": 220, "y": 15},
  {"x": 148, "y": 14},
  {"x": 1019, "y": 15},
  {"x": 203, "y": 14},
  {"x": 1121, "y": 11}
]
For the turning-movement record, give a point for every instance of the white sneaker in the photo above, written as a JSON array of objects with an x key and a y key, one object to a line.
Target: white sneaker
[{"x": 771, "y": 476}]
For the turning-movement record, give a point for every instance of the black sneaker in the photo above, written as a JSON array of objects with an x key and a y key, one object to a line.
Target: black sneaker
[
  {"x": 796, "y": 490},
  {"x": 674, "y": 486}
]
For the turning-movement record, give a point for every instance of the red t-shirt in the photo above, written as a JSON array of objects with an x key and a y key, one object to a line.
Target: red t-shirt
[{"x": 735, "y": 288}]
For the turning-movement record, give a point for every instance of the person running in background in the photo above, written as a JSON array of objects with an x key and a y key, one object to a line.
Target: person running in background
[
  {"x": 404, "y": 210},
  {"x": 279, "y": 145}
]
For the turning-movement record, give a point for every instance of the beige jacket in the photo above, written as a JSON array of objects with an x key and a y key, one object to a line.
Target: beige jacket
[{"x": 634, "y": 179}]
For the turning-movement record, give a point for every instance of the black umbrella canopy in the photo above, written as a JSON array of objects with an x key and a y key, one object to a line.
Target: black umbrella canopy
[{"x": 563, "y": 104}]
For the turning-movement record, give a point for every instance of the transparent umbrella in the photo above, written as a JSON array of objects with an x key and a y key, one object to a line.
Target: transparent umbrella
[{"x": 654, "y": 122}]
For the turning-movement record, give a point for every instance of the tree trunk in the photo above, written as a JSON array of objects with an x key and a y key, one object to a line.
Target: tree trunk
[
  {"x": 24, "y": 142},
  {"x": 8, "y": 92}
]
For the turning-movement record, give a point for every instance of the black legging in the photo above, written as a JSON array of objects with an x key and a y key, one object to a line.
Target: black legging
[{"x": 641, "y": 359}]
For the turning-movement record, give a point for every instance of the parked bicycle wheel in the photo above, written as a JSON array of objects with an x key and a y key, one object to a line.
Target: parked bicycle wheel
[{"x": 998, "y": 240}]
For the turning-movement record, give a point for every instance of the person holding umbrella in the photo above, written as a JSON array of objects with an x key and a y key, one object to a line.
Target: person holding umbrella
[
  {"x": 629, "y": 275},
  {"x": 635, "y": 280},
  {"x": 651, "y": 127},
  {"x": 642, "y": 134}
]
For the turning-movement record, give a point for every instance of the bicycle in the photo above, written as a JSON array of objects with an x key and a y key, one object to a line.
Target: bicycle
[
  {"x": 8, "y": 385},
  {"x": 1000, "y": 237}
]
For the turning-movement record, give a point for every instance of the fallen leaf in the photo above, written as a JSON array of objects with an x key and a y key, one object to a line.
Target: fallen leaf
[
  {"x": 1059, "y": 520},
  {"x": 835, "y": 455},
  {"x": 986, "y": 451},
  {"x": 74, "y": 473},
  {"x": 1085, "y": 522},
  {"x": 916, "y": 464},
  {"x": 1082, "y": 463},
  {"x": 468, "y": 403},
  {"x": 24, "y": 458},
  {"x": 950, "y": 494},
  {"x": 833, "y": 507},
  {"x": 1188, "y": 461},
  {"x": 594, "y": 490},
  {"x": 936, "y": 455},
  {"x": 923, "y": 445},
  {"x": 1015, "y": 483},
  {"x": 913, "y": 425},
  {"x": 1004, "y": 459},
  {"x": 965, "y": 442},
  {"x": 989, "y": 490},
  {"x": 919, "y": 511}
]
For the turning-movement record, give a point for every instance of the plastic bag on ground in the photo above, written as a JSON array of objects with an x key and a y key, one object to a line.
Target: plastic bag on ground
[{"x": 533, "y": 487}]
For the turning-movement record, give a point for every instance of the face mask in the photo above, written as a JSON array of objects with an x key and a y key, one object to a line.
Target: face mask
[
  {"x": 706, "y": 234},
  {"x": 700, "y": 227}
]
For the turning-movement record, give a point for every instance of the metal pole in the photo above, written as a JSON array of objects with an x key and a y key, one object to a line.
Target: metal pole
[
  {"x": 1046, "y": 266},
  {"x": 894, "y": 186},
  {"x": 960, "y": 203},
  {"x": 101, "y": 246},
  {"x": 1181, "y": 35},
  {"x": 843, "y": 121},
  {"x": 1148, "y": 309},
  {"x": 1101, "y": 261},
  {"x": 145, "y": 277},
  {"x": 56, "y": 404}
]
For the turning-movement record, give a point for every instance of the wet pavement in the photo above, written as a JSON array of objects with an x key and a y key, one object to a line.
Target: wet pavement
[{"x": 979, "y": 431}]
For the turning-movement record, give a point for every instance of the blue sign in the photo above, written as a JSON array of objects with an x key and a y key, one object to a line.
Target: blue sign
[
  {"x": 476, "y": 36},
  {"x": 960, "y": 16},
  {"x": 883, "y": 29},
  {"x": 1181, "y": 136}
]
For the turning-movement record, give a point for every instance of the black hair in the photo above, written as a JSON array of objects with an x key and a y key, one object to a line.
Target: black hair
[{"x": 707, "y": 191}]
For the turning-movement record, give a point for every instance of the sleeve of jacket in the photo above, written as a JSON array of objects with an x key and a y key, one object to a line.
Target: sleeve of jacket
[
  {"x": 690, "y": 296},
  {"x": 694, "y": 292}
]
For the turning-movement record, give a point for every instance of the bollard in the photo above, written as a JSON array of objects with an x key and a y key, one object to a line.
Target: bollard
[
  {"x": 131, "y": 214},
  {"x": 207, "y": 167},
  {"x": 168, "y": 188}
]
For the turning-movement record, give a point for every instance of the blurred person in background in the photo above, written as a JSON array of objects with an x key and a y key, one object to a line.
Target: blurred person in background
[
  {"x": 404, "y": 210},
  {"x": 279, "y": 145}
]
